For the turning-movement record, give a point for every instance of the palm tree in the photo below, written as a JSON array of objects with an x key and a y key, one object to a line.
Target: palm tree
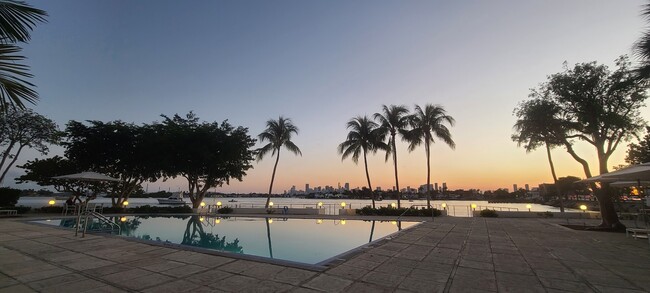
[
  {"x": 364, "y": 136},
  {"x": 392, "y": 120},
  {"x": 426, "y": 124},
  {"x": 642, "y": 48},
  {"x": 17, "y": 19},
  {"x": 278, "y": 133},
  {"x": 538, "y": 125}
]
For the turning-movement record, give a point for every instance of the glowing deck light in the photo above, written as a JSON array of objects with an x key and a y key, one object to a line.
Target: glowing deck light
[
  {"x": 529, "y": 206},
  {"x": 270, "y": 221},
  {"x": 217, "y": 221},
  {"x": 219, "y": 204},
  {"x": 444, "y": 205},
  {"x": 51, "y": 202},
  {"x": 342, "y": 222},
  {"x": 271, "y": 204},
  {"x": 583, "y": 208},
  {"x": 125, "y": 203},
  {"x": 320, "y": 204},
  {"x": 393, "y": 205},
  {"x": 343, "y": 204},
  {"x": 123, "y": 219},
  {"x": 393, "y": 222},
  {"x": 473, "y": 206},
  {"x": 201, "y": 219},
  {"x": 202, "y": 204},
  {"x": 319, "y": 221}
]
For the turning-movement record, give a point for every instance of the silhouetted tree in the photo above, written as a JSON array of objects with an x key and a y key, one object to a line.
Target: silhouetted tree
[
  {"x": 427, "y": 124},
  {"x": 393, "y": 120},
  {"x": 642, "y": 48},
  {"x": 21, "y": 129},
  {"x": 600, "y": 107},
  {"x": 278, "y": 133},
  {"x": 364, "y": 137},
  {"x": 639, "y": 153}
]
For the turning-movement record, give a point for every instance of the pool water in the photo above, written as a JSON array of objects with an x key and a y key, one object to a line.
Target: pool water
[{"x": 309, "y": 241}]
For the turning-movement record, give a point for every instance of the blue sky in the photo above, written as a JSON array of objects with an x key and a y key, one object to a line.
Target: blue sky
[{"x": 323, "y": 62}]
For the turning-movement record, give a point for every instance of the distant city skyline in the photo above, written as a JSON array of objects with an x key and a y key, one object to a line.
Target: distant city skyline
[{"x": 321, "y": 63}]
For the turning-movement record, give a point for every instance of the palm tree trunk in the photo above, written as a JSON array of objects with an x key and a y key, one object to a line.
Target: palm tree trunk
[
  {"x": 557, "y": 188},
  {"x": 426, "y": 149},
  {"x": 372, "y": 194},
  {"x": 372, "y": 231},
  {"x": 396, "y": 178},
  {"x": 268, "y": 197},
  {"x": 268, "y": 236}
]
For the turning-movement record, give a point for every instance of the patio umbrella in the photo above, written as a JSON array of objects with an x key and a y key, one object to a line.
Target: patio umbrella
[
  {"x": 640, "y": 172},
  {"x": 86, "y": 176},
  {"x": 629, "y": 183}
]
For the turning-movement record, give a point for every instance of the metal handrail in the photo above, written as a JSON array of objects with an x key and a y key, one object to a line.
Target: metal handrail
[{"x": 96, "y": 215}]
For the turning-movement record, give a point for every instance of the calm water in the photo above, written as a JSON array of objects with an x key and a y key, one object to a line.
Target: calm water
[
  {"x": 457, "y": 208},
  {"x": 301, "y": 240}
]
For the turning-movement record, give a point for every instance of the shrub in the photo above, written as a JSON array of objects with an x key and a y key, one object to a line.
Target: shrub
[
  {"x": 386, "y": 211},
  {"x": 225, "y": 210},
  {"x": 50, "y": 209},
  {"x": 9, "y": 196},
  {"x": 487, "y": 213},
  {"x": 147, "y": 209}
]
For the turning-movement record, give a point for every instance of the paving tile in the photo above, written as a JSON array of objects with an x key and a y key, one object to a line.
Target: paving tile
[
  {"x": 238, "y": 266},
  {"x": 171, "y": 287},
  {"x": 208, "y": 277},
  {"x": 145, "y": 281},
  {"x": 420, "y": 285},
  {"x": 26, "y": 278},
  {"x": 42, "y": 284},
  {"x": 383, "y": 279},
  {"x": 359, "y": 287},
  {"x": 75, "y": 286},
  {"x": 348, "y": 272},
  {"x": 327, "y": 283},
  {"x": 125, "y": 275},
  {"x": 236, "y": 283},
  {"x": 20, "y": 288},
  {"x": 565, "y": 285},
  {"x": 262, "y": 271},
  {"x": 293, "y": 276},
  {"x": 183, "y": 271}
]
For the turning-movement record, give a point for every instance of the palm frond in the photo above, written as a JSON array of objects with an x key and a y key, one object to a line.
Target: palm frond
[
  {"x": 14, "y": 88},
  {"x": 17, "y": 20}
]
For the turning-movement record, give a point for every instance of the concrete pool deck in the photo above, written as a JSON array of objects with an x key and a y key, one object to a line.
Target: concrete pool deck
[{"x": 447, "y": 255}]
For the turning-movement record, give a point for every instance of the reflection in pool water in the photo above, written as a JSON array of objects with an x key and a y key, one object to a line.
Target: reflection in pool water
[{"x": 301, "y": 240}]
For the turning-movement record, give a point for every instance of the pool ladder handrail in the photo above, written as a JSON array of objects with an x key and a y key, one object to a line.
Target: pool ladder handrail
[{"x": 100, "y": 217}]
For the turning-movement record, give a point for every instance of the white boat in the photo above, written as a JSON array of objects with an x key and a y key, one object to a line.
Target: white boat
[{"x": 175, "y": 199}]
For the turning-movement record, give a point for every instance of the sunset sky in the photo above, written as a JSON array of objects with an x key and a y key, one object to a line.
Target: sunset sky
[{"x": 323, "y": 62}]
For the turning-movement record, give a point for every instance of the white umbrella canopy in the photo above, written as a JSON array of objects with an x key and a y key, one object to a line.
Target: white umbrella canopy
[
  {"x": 87, "y": 176},
  {"x": 640, "y": 172}
]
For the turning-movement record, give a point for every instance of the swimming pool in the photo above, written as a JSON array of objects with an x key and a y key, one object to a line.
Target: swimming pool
[{"x": 310, "y": 241}]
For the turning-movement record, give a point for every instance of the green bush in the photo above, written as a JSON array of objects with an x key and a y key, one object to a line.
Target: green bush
[
  {"x": 147, "y": 209},
  {"x": 225, "y": 210},
  {"x": 487, "y": 213},
  {"x": 50, "y": 210},
  {"x": 387, "y": 211},
  {"x": 9, "y": 196}
]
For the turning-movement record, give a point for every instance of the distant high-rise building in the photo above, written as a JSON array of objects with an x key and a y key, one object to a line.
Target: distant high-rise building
[
  {"x": 307, "y": 190},
  {"x": 347, "y": 186},
  {"x": 435, "y": 186},
  {"x": 444, "y": 186},
  {"x": 527, "y": 187},
  {"x": 514, "y": 187},
  {"x": 378, "y": 188}
]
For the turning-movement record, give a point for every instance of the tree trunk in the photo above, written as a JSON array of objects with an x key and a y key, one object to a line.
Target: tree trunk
[
  {"x": 604, "y": 196},
  {"x": 399, "y": 205},
  {"x": 5, "y": 155},
  {"x": 557, "y": 188},
  {"x": 11, "y": 163},
  {"x": 372, "y": 231},
  {"x": 426, "y": 149},
  {"x": 268, "y": 197},
  {"x": 372, "y": 194}
]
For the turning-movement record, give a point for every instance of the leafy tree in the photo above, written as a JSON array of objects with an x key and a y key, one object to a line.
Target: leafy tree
[
  {"x": 42, "y": 171},
  {"x": 639, "y": 153},
  {"x": 538, "y": 124},
  {"x": 121, "y": 150},
  {"x": 599, "y": 107},
  {"x": 570, "y": 185},
  {"x": 426, "y": 124},
  {"x": 17, "y": 20},
  {"x": 206, "y": 154},
  {"x": 365, "y": 137},
  {"x": 278, "y": 133},
  {"x": 393, "y": 120},
  {"x": 21, "y": 129},
  {"x": 195, "y": 236}
]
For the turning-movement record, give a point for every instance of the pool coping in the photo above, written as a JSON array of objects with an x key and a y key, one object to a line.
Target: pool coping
[{"x": 318, "y": 267}]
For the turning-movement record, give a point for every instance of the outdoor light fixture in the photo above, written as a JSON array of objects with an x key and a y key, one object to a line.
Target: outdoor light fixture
[
  {"x": 393, "y": 205},
  {"x": 201, "y": 219},
  {"x": 202, "y": 204},
  {"x": 343, "y": 204},
  {"x": 393, "y": 222},
  {"x": 123, "y": 219},
  {"x": 319, "y": 221},
  {"x": 444, "y": 205},
  {"x": 51, "y": 202},
  {"x": 219, "y": 204},
  {"x": 473, "y": 206},
  {"x": 320, "y": 204},
  {"x": 270, "y": 221},
  {"x": 583, "y": 208},
  {"x": 342, "y": 222},
  {"x": 125, "y": 203},
  {"x": 529, "y": 206},
  {"x": 270, "y": 204},
  {"x": 217, "y": 221}
]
